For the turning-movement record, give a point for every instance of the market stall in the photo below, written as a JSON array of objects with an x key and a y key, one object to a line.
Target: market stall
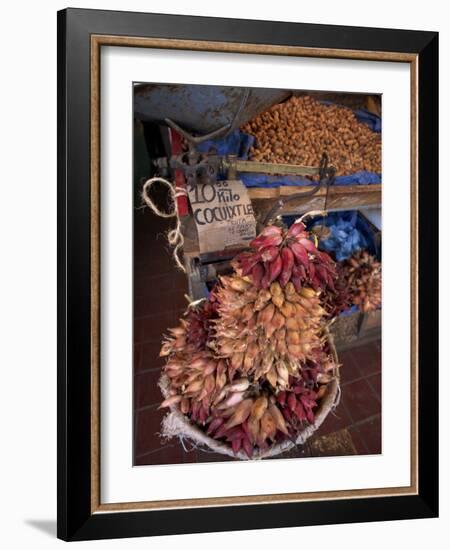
[{"x": 268, "y": 189}]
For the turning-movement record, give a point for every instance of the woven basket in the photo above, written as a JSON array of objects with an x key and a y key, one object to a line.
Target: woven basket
[{"x": 176, "y": 424}]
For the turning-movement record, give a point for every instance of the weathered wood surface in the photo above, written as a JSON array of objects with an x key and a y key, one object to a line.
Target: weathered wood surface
[{"x": 342, "y": 197}]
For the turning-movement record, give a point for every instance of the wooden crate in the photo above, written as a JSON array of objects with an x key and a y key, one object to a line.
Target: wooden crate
[{"x": 353, "y": 329}]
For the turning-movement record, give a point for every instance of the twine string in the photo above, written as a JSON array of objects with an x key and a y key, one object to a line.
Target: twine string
[{"x": 174, "y": 236}]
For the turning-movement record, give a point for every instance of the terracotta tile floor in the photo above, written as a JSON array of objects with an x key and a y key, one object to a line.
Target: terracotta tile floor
[{"x": 159, "y": 290}]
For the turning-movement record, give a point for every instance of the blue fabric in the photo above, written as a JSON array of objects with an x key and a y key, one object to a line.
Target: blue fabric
[
  {"x": 251, "y": 179},
  {"x": 239, "y": 143},
  {"x": 350, "y": 232},
  {"x": 372, "y": 120},
  {"x": 363, "y": 115},
  {"x": 236, "y": 143},
  {"x": 359, "y": 178},
  {"x": 349, "y": 311},
  {"x": 345, "y": 239}
]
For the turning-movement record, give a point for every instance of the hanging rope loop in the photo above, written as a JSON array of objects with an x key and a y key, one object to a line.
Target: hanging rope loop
[{"x": 174, "y": 236}]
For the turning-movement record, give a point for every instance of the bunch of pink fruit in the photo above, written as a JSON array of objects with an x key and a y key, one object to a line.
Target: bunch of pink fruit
[{"x": 286, "y": 255}]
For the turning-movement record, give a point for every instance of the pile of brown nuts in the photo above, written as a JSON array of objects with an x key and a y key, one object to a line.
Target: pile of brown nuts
[{"x": 299, "y": 130}]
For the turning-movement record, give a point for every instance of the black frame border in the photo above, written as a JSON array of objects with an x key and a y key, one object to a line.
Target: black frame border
[{"x": 75, "y": 521}]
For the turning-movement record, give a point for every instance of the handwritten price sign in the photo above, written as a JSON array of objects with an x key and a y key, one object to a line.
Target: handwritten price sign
[{"x": 223, "y": 215}]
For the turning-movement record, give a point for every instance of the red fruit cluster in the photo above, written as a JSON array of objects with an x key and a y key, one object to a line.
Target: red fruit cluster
[
  {"x": 238, "y": 437},
  {"x": 198, "y": 411},
  {"x": 338, "y": 299},
  {"x": 298, "y": 404},
  {"x": 286, "y": 255},
  {"x": 257, "y": 421},
  {"x": 198, "y": 324}
]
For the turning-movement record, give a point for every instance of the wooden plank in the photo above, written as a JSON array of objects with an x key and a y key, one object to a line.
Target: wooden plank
[
  {"x": 341, "y": 197},
  {"x": 272, "y": 168},
  {"x": 288, "y": 190},
  {"x": 347, "y": 197}
]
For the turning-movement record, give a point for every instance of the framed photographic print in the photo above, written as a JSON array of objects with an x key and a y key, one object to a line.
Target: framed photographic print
[{"x": 247, "y": 260}]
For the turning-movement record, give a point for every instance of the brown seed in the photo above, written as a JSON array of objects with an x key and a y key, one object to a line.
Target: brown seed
[
  {"x": 278, "y": 300},
  {"x": 221, "y": 377},
  {"x": 321, "y": 392},
  {"x": 283, "y": 373},
  {"x": 259, "y": 406},
  {"x": 252, "y": 322},
  {"x": 172, "y": 400},
  {"x": 263, "y": 297},
  {"x": 166, "y": 349},
  {"x": 293, "y": 337},
  {"x": 270, "y": 330},
  {"x": 236, "y": 283},
  {"x": 184, "y": 406},
  {"x": 226, "y": 347},
  {"x": 247, "y": 312},
  {"x": 289, "y": 289},
  {"x": 194, "y": 386},
  {"x": 193, "y": 376},
  {"x": 210, "y": 367},
  {"x": 241, "y": 414},
  {"x": 265, "y": 315},
  {"x": 268, "y": 426},
  {"x": 292, "y": 324},
  {"x": 301, "y": 311},
  {"x": 295, "y": 350},
  {"x": 252, "y": 350},
  {"x": 199, "y": 363},
  {"x": 272, "y": 377},
  {"x": 267, "y": 360},
  {"x": 177, "y": 331},
  {"x": 236, "y": 360},
  {"x": 240, "y": 346},
  {"x": 281, "y": 347},
  {"x": 288, "y": 309},
  {"x": 220, "y": 397},
  {"x": 275, "y": 289},
  {"x": 253, "y": 424},
  {"x": 278, "y": 418},
  {"x": 210, "y": 383},
  {"x": 278, "y": 320},
  {"x": 247, "y": 363}
]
